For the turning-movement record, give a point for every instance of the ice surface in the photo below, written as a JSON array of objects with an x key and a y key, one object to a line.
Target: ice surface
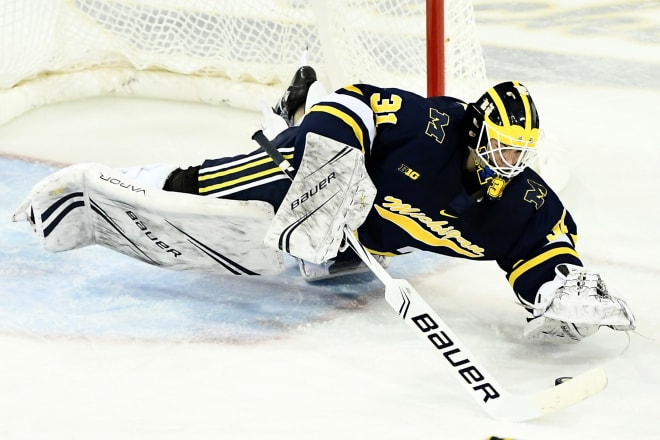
[{"x": 98, "y": 346}]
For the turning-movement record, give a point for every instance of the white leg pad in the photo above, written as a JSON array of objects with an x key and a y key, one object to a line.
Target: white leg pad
[
  {"x": 153, "y": 176},
  {"x": 331, "y": 190},
  {"x": 92, "y": 204}
]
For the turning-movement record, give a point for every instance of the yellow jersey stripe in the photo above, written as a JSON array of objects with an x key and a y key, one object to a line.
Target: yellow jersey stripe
[
  {"x": 249, "y": 177},
  {"x": 240, "y": 168},
  {"x": 538, "y": 260},
  {"x": 354, "y": 90},
  {"x": 346, "y": 118}
]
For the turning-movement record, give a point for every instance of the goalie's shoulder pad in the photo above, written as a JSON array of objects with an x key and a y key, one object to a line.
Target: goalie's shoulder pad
[{"x": 331, "y": 190}]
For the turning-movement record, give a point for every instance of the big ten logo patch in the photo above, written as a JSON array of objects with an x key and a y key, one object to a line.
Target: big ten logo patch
[{"x": 405, "y": 169}]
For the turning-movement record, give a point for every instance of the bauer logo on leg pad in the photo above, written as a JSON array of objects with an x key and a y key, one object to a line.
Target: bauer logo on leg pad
[
  {"x": 149, "y": 234},
  {"x": 331, "y": 190},
  {"x": 325, "y": 183},
  {"x": 92, "y": 204}
]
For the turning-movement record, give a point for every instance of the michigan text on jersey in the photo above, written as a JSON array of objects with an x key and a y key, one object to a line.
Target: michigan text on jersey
[{"x": 436, "y": 233}]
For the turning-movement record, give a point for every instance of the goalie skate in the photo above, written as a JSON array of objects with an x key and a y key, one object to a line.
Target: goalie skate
[{"x": 296, "y": 94}]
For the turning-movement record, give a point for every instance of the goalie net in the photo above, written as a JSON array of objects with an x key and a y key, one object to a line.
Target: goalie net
[{"x": 241, "y": 53}]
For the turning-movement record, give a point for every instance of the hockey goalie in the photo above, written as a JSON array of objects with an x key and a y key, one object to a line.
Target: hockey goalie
[{"x": 404, "y": 172}]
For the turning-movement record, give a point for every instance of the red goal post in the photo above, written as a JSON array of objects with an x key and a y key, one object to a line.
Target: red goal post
[
  {"x": 435, "y": 51},
  {"x": 241, "y": 53}
]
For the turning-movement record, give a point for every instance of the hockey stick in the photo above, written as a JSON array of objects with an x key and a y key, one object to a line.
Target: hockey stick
[{"x": 495, "y": 400}]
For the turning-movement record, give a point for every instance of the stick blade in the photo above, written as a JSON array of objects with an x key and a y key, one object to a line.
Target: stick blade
[
  {"x": 524, "y": 407},
  {"x": 568, "y": 393}
]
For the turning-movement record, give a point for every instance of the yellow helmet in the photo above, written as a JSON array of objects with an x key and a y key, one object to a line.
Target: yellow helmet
[{"x": 503, "y": 131}]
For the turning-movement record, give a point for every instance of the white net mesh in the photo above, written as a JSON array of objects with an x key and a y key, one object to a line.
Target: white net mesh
[{"x": 239, "y": 52}]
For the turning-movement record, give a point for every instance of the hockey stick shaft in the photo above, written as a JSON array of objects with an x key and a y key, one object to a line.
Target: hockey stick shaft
[
  {"x": 274, "y": 154},
  {"x": 479, "y": 383}
]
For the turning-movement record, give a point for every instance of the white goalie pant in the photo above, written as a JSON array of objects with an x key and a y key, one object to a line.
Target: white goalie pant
[
  {"x": 89, "y": 204},
  {"x": 331, "y": 190}
]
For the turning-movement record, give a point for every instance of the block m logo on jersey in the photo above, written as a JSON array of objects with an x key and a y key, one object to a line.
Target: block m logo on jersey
[
  {"x": 436, "y": 126},
  {"x": 536, "y": 194}
]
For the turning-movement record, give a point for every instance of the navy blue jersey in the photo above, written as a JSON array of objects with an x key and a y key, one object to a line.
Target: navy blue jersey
[{"x": 416, "y": 157}]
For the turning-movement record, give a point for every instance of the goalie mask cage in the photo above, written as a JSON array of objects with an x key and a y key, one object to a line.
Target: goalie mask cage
[{"x": 242, "y": 53}]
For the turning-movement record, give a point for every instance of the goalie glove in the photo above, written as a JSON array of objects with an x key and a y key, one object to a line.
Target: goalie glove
[{"x": 574, "y": 305}]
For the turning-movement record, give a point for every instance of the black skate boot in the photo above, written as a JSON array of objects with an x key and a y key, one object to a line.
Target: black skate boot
[{"x": 296, "y": 94}]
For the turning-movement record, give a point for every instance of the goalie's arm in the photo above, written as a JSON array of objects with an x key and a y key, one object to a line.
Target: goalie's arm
[
  {"x": 527, "y": 275},
  {"x": 547, "y": 239},
  {"x": 567, "y": 301}
]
